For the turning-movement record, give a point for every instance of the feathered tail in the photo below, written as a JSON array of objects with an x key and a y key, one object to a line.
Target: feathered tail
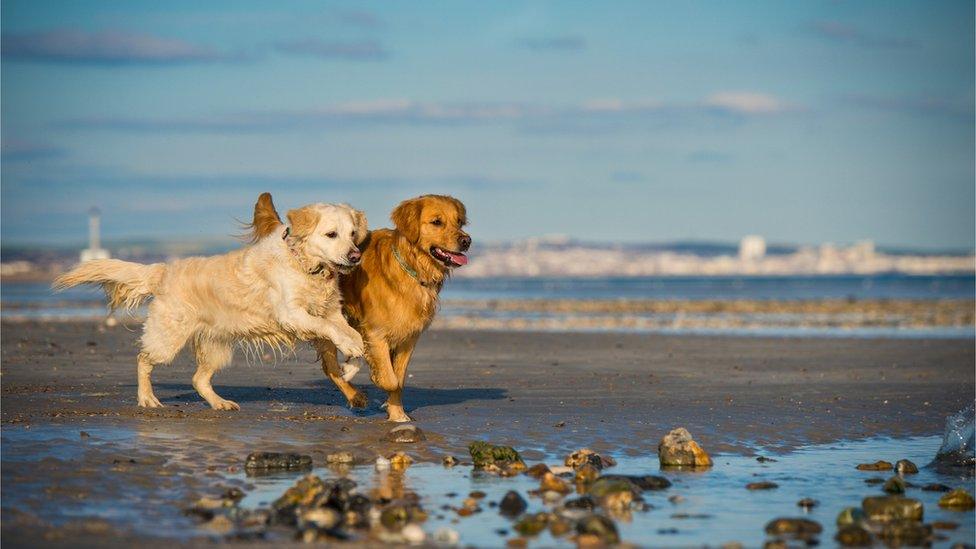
[{"x": 127, "y": 285}]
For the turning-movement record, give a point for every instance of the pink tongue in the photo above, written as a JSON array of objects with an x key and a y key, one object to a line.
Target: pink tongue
[{"x": 460, "y": 259}]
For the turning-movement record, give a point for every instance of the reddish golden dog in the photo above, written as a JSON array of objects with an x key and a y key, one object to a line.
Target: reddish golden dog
[{"x": 392, "y": 297}]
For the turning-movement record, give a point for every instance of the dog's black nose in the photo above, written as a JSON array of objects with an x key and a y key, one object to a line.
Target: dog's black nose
[
  {"x": 354, "y": 256},
  {"x": 464, "y": 242}
]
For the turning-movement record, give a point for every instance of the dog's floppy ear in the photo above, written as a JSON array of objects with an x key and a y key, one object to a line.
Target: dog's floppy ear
[
  {"x": 406, "y": 218},
  {"x": 303, "y": 221},
  {"x": 362, "y": 229}
]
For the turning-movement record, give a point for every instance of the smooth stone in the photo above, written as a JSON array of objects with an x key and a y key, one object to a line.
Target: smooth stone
[
  {"x": 405, "y": 434},
  {"x": 905, "y": 467},
  {"x": 605, "y": 486},
  {"x": 957, "y": 500},
  {"x": 323, "y": 517},
  {"x": 936, "y": 487},
  {"x": 879, "y": 465},
  {"x": 582, "y": 502},
  {"x": 413, "y": 534},
  {"x": 551, "y": 482},
  {"x": 678, "y": 449},
  {"x": 888, "y": 508},
  {"x": 449, "y": 461},
  {"x": 807, "y": 503},
  {"x": 644, "y": 482},
  {"x": 793, "y": 526},
  {"x": 512, "y": 504},
  {"x": 587, "y": 474},
  {"x": 532, "y": 525},
  {"x": 894, "y": 485},
  {"x": 485, "y": 454},
  {"x": 599, "y": 526},
  {"x": 537, "y": 470},
  {"x": 764, "y": 485},
  {"x": 585, "y": 456}
]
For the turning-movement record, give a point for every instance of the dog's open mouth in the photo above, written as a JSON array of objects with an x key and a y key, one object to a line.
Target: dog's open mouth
[{"x": 449, "y": 259}]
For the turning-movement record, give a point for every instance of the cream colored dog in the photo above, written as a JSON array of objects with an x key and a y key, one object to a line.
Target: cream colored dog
[{"x": 280, "y": 289}]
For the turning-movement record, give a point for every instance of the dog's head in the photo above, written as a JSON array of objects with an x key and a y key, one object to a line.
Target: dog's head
[
  {"x": 328, "y": 234},
  {"x": 435, "y": 224}
]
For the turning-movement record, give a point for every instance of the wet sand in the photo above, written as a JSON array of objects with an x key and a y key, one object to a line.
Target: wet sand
[{"x": 545, "y": 393}]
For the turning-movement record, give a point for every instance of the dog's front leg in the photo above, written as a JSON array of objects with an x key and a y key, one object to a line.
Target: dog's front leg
[
  {"x": 383, "y": 376},
  {"x": 334, "y": 328}
]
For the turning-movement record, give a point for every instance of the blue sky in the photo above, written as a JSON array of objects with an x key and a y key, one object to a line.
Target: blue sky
[{"x": 608, "y": 121}]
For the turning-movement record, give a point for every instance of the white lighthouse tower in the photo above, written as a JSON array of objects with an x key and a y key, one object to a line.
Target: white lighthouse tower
[{"x": 94, "y": 249}]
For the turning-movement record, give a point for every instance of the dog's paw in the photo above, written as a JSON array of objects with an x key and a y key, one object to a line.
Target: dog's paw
[
  {"x": 351, "y": 348},
  {"x": 224, "y": 404},
  {"x": 149, "y": 401},
  {"x": 359, "y": 400}
]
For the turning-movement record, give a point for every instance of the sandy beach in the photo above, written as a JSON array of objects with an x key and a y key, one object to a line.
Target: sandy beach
[{"x": 546, "y": 393}]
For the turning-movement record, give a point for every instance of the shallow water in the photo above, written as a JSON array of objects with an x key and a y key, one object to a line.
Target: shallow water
[
  {"x": 147, "y": 497},
  {"x": 720, "y": 507}
]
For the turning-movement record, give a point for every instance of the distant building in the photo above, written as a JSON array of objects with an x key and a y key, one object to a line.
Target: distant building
[
  {"x": 752, "y": 248},
  {"x": 94, "y": 249}
]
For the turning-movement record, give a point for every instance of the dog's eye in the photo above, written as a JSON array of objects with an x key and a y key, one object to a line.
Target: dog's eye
[
  {"x": 437, "y": 222},
  {"x": 333, "y": 234}
]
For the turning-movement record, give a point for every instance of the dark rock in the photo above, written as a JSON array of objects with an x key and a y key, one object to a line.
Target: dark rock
[
  {"x": 798, "y": 527},
  {"x": 944, "y": 525},
  {"x": 906, "y": 532},
  {"x": 957, "y": 500},
  {"x": 449, "y": 461},
  {"x": 233, "y": 494},
  {"x": 599, "y": 526},
  {"x": 905, "y": 467},
  {"x": 764, "y": 459},
  {"x": 889, "y": 508},
  {"x": 405, "y": 434},
  {"x": 538, "y": 470},
  {"x": 678, "y": 449},
  {"x": 807, "y": 503},
  {"x": 894, "y": 485},
  {"x": 532, "y": 525},
  {"x": 399, "y": 513},
  {"x": 853, "y": 536},
  {"x": 763, "y": 485},
  {"x": 876, "y": 466},
  {"x": 874, "y": 480},
  {"x": 477, "y": 494},
  {"x": 936, "y": 488},
  {"x": 264, "y": 461},
  {"x": 587, "y": 474},
  {"x": 605, "y": 486},
  {"x": 643, "y": 482},
  {"x": 512, "y": 504}
]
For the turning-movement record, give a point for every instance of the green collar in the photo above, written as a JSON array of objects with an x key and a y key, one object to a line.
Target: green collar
[{"x": 411, "y": 272}]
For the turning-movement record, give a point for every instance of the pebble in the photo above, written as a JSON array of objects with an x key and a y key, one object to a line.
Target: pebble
[
  {"x": 936, "y": 488},
  {"x": 220, "y": 524},
  {"x": 413, "y": 534},
  {"x": 277, "y": 460},
  {"x": 405, "y": 434},
  {"x": 945, "y": 525},
  {"x": 400, "y": 461},
  {"x": 587, "y": 474},
  {"x": 551, "y": 482},
  {"x": 512, "y": 504},
  {"x": 537, "y": 470},
  {"x": 477, "y": 494},
  {"x": 885, "y": 508},
  {"x": 764, "y": 459},
  {"x": 382, "y": 464},
  {"x": 905, "y": 467},
  {"x": 644, "y": 482},
  {"x": 894, "y": 485},
  {"x": 585, "y": 456},
  {"x": 763, "y": 485},
  {"x": 957, "y": 500},
  {"x": 495, "y": 458},
  {"x": 599, "y": 526},
  {"x": 605, "y": 486},
  {"x": 807, "y": 503},
  {"x": 876, "y": 466},
  {"x": 678, "y": 449},
  {"x": 532, "y": 525},
  {"x": 449, "y": 461},
  {"x": 874, "y": 480},
  {"x": 798, "y": 527},
  {"x": 446, "y": 536},
  {"x": 339, "y": 457}
]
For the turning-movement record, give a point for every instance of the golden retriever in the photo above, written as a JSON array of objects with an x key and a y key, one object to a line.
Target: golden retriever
[
  {"x": 392, "y": 297},
  {"x": 281, "y": 288}
]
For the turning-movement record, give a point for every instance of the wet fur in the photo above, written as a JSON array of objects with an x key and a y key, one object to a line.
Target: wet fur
[
  {"x": 386, "y": 305},
  {"x": 263, "y": 294}
]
